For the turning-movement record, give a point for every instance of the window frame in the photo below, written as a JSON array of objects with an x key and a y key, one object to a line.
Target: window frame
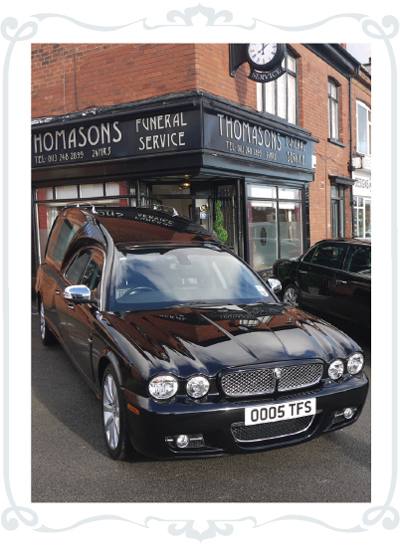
[
  {"x": 361, "y": 104},
  {"x": 338, "y": 245},
  {"x": 334, "y": 105},
  {"x": 262, "y": 106},
  {"x": 340, "y": 202},
  {"x": 276, "y": 198}
]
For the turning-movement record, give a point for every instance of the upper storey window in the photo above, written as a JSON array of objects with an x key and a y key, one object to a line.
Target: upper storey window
[
  {"x": 363, "y": 129},
  {"x": 333, "y": 104},
  {"x": 280, "y": 97}
]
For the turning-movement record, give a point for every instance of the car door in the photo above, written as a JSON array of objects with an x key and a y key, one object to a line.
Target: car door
[
  {"x": 352, "y": 292},
  {"x": 86, "y": 269},
  {"x": 316, "y": 277},
  {"x": 53, "y": 281}
]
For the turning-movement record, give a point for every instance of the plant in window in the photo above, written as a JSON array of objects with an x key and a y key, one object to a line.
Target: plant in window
[{"x": 222, "y": 235}]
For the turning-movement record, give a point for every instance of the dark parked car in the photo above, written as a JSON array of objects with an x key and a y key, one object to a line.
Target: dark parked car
[
  {"x": 332, "y": 278},
  {"x": 189, "y": 350}
]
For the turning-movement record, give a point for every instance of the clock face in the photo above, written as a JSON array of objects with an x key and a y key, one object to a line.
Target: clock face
[{"x": 262, "y": 54}]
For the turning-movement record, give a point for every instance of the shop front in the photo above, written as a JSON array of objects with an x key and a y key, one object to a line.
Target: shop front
[
  {"x": 362, "y": 195},
  {"x": 194, "y": 153}
]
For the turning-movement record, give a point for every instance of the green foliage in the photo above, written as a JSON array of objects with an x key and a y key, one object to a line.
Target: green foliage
[{"x": 222, "y": 235}]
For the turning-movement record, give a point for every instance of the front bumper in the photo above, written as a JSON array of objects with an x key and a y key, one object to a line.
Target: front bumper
[{"x": 153, "y": 426}]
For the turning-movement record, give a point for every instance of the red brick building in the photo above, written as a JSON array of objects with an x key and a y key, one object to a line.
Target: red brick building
[
  {"x": 182, "y": 125},
  {"x": 361, "y": 146}
]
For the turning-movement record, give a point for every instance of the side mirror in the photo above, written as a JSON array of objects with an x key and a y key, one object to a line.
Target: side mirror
[
  {"x": 78, "y": 294},
  {"x": 275, "y": 285}
]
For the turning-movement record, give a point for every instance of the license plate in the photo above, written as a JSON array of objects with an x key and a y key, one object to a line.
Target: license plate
[{"x": 275, "y": 412}]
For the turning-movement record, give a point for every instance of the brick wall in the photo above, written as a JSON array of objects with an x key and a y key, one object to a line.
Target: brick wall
[
  {"x": 332, "y": 159},
  {"x": 73, "y": 77}
]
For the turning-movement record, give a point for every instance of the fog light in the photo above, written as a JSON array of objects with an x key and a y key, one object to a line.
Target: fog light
[
  {"x": 182, "y": 441},
  {"x": 336, "y": 369},
  {"x": 349, "y": 413}
]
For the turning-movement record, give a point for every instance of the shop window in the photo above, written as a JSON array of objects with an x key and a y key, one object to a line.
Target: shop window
[
  {"x": 226, "y": 195},
  {"x": 333, "y": 104},
  {"x": 363, "y": 129},
  {"x": 290, "y": 229},
  {"x": 67, "y": 192},
  {"x": 44, "y": 194},
  {"x": 280, "y": 97},
  {"x": 274, "y": 224},
  {"x": 362, "y": 217},
  {"x": 88, "y": 191},
  {"x": 117, "y": 188}
]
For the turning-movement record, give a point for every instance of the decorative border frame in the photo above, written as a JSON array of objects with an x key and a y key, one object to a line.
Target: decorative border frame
[{"x": 14, "y": 34}]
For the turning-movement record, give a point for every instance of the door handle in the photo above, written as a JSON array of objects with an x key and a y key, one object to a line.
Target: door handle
[
  {"x": 71, "y": 306},
  {"x": 341, "y": 281},
  {"x": 57, "y": 292}
]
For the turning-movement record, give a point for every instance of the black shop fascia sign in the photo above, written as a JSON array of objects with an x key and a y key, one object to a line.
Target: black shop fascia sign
[
  {"x": 115, "y": 138},
  {"x": 226, "y": 132}
]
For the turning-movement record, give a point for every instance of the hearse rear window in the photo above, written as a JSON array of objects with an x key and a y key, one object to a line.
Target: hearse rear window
[{"x": 63, "y": 232}]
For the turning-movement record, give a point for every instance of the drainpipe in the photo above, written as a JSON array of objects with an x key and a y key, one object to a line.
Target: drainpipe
[
  {"x": 351, "y": 168},
  {"x": 239, "y": 217}
]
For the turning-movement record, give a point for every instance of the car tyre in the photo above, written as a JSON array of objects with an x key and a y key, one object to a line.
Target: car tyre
[
  {"x": 114, "y": 418},
  {"x": 291, "y": 296},
  {"x": 46, "y": 335}
]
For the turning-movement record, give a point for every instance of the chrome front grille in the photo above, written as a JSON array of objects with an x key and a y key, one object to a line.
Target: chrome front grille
[
  {"x": 261, "y": 381},
  {"x": 271, "y": 430},
  {"x": 267, "y": 381},
  {"x": 299, "y": 376}
]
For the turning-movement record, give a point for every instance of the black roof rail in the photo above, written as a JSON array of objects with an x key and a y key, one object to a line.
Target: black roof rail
[
  {"x": 166, "y": 209},
  {"x": 81, "y": 205}
]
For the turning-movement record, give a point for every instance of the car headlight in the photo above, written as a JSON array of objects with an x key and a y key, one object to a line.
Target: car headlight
[
  {"x": 163, "y": 387},
  {"x": 355, "y": 363},
  {"x": 336, "y": 369},
  {"x": 197, "y": 387}
]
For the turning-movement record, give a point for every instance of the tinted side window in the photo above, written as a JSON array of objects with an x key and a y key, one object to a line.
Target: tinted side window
[
  {"x": 64, "y": 230},
  {"x": 76, "y": 269},
  {"x": 65, "y": 235},
  {"x": 358, "y": 260},
  {"x": 92, "y": 275},
  {"x": 309, "y": 255},
  {"x": 328, "y": 255}
]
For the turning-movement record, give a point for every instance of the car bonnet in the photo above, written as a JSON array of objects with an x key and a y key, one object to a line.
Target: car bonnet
[{"x": 206, "y": 339}]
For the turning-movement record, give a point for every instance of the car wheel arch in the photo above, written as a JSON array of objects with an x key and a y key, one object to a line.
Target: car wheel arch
[{"x": 105, "y": 360}]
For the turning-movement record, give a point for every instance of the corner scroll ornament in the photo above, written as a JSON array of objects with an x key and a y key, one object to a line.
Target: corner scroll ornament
[
  {"x": 387, "y": 22},
  {"x": 10, "y": 522},
  {"x": 21, "y": 33},
  {"x": 188, "y": 528}
]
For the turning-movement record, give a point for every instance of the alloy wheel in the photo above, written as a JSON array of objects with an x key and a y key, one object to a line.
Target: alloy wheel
[
  {"x": 42, "y": 322},
  {"x": 111, "y": 412},
  {"x": 291, "y": 297}
]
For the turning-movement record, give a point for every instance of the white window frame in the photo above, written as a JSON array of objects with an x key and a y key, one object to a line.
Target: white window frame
[
  {"x": 262, "y": 97},
  {"x": 361, "y": 104},
  {"x": 334, "y": 103}
]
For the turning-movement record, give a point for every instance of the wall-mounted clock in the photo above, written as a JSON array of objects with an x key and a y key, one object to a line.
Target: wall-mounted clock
[{"x": 265, "y": 56}]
